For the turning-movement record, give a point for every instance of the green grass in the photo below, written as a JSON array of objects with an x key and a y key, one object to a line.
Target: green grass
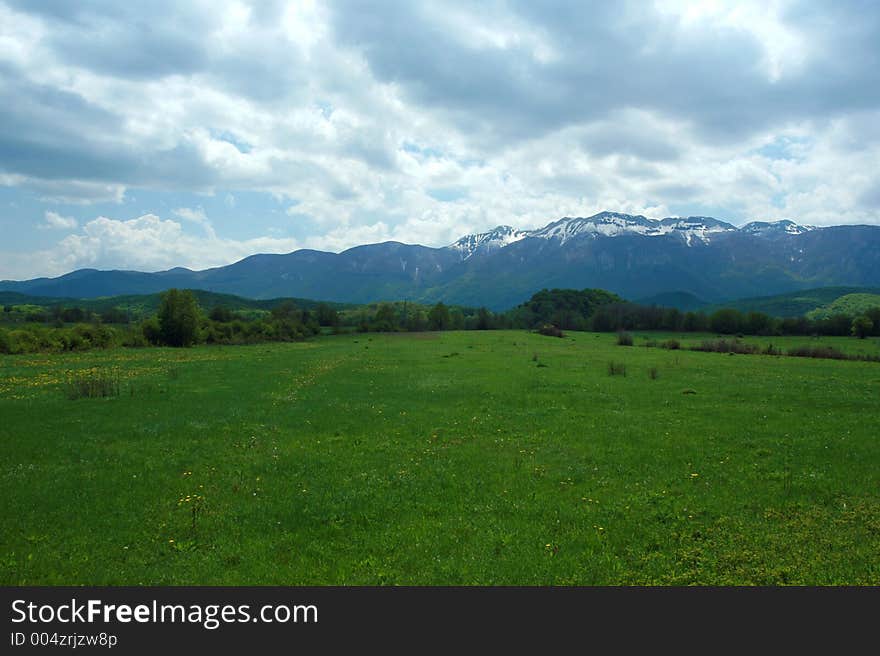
[{"x": 453, "y": 458}]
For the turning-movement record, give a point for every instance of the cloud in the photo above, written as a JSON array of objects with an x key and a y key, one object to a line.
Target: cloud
[
  {"x": 145, "y": 243},
  {"x": 198, "y": 217},
  {"x": 423, "y": 121},
  {"x": 58, "y": 222}
]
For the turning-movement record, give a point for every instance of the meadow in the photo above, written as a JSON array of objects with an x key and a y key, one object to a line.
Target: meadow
[{"x": 473, "y": 458}]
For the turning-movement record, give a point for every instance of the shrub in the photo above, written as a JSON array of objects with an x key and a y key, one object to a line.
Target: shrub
[
  {"x": 151, "y": 331},
  {"x": 725, "y": 346},
  {"x": 5, "y": 344},
  {"x": 671, "y": 344},
  {"x": 624, "y": 339},
  {"x": 23, "y": 341},
  {"x": 653, "y": 374},
  {"x": 818, "y": 352},
  {"x": 616, "y": 369},
  {"x": 134, "y": 337},
  {"x": 550, "y": 330}
]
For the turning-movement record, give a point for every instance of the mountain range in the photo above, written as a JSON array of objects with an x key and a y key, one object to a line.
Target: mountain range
[{"x": 630, "y": 255}]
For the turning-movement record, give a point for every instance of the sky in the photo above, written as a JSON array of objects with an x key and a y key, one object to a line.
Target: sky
[{"x": 149, "y": 135}]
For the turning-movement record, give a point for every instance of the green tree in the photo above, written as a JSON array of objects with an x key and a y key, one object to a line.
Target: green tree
[
  {"x": 694, "y": 322},
  {"x": 758, "y": 323},
  {"x": 326, "y": 315},
  {"x": 861, "y": 326},
  {"x": 178, "y": 318},
  {"x": 385, "y": 319},
  {"x": 874, "y": 315},
  {"x": 114, "y": 315},
  {"x": 417, "y": 321},
  {"x": 438, "y": 317},
  {"x": 222, "y": 314},
  {"x": 287, "y": 311},
  {"x": 672, "y": 319},
  {"x": 456, "y": 319},
  {"x": 484, "y": 319},
  {"x": 726, "y": 321}
]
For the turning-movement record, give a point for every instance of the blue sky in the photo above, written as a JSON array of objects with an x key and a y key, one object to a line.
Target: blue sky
[{"x": 151, "y": 135}]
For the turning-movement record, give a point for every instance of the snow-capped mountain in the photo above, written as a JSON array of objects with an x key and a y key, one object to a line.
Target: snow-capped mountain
[
  {"x": 775, "y": 228},
  {"x": 629, "y": 255},
  {"x": 691, "y": 230},
  {"x": 614, "y": 224},
  {"x": 485, "y": 242}
]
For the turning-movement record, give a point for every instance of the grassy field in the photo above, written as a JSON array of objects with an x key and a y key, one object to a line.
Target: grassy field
[{"x": 453, "y": 458}]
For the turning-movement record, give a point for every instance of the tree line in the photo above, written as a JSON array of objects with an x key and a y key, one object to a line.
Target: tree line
[{"x": 180, "y": 321}]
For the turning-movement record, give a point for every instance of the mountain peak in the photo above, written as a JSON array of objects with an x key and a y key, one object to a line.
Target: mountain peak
[
  {"x": 692, "y": 230},
  {"x": 775, "y": 228},
  {"x": 483, "y": 242},
  {"x": 613, "y": 224}
]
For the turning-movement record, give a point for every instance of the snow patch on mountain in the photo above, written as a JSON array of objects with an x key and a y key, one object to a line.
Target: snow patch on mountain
[
  {"x": 483, "y": 242},
  {"x": 775, "y": 228},
  {"x": 613, "y": 224},
  {"x": 692, "y": 230}
]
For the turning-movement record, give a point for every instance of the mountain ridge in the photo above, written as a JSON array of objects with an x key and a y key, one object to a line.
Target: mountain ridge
[{"x": 630, "y": 255}]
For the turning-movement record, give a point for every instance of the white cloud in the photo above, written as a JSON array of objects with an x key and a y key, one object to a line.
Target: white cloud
[
  {"x": 516, "y": 114},
  {"x": 145, "y": 243},
  {"x": 57, "y": 222}
]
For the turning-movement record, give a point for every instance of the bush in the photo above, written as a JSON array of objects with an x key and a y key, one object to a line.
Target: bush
[
  {"x": 5, "y": 344},
  {"x": 616, "y": 369},
  {"x": 725, "y": 346},
  {"x": 624, "y": 339},
  {"x": 134, "y": 337},
  {"x": 151, "y": 331},
  {"x": 550, "y": 330},
  {"x": 94, "y": 335},
  {"x": 818, "y": 352},
  {"x": 671, "y": 344}
]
